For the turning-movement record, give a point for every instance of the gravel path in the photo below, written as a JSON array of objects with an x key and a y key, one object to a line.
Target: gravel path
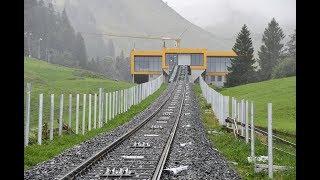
[{"x": 191, "y": 148}]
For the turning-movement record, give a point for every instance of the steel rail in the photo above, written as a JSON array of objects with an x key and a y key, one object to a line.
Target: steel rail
[
  {"x": 97, "y": 156},
  {"x": 165, "y": 153}
]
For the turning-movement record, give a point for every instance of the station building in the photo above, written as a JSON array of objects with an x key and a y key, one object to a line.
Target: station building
[{"x": 146, "y": 65}]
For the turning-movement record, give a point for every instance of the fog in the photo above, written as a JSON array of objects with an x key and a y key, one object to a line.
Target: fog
[{"x": 206, "y": 13}]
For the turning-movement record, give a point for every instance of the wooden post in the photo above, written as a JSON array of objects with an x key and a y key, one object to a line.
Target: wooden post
[
  {"x": 270, "y": 156},
  {"x": 27, "y": 125},
  {"x": 247, "y": 122},
  {"x": 252, "y": 133},
  {"x": 40, "y": 119},
  {"x": 84, "y": 114},
  {"x": 89, "y": 118},
  {"x": 77, "y": 114},
  {"x": 70, "y": 109},
  {"x": 51, "y": 116},
  {"x": 95, "y": 112},
  {"x": 61, "y": 115}
]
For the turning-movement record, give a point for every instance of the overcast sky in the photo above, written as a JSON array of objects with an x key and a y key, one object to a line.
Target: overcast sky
[{"x": 211, "y": 12}]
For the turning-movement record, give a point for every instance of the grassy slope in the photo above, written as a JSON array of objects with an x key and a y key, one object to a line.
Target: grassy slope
[
  {"x": 236, "y": 150},
  {"x": 280, "y": 92},
  {"x": 54, "y": 79}
]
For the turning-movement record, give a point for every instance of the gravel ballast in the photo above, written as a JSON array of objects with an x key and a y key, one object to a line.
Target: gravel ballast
[{"x": 191, "y": 148}]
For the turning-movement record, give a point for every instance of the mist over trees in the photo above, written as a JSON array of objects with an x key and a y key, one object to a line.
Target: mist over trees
[{"x": 49, "y": 35}]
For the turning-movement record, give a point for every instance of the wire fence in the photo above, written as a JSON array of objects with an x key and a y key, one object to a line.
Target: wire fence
[{"x": 96, "y": 109}]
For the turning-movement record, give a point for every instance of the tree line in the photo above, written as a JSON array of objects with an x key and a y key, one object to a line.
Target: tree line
[
  {"x": 275, "y": 59},
  {"x": 49, "y": 35}
]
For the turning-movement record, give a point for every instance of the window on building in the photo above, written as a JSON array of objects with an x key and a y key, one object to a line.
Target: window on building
[
  {"x": 218, "y": 64},
  {"x": 147, "y": 63},
  {"x": 197, "y": 59},
  {"x": 219, "y": 78},
  {"x": 171, "y": 58}
]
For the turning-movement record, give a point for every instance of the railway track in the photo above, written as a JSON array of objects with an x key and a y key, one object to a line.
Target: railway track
[{"x": 142, "y": 151}]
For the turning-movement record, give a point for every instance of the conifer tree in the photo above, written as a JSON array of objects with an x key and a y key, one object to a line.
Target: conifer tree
[
  {"x": 271, "y": 50},
  {"x": 242, "y": 69}
]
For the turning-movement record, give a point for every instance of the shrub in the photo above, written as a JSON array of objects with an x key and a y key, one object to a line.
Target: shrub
[{"x": 286, "y": 68}]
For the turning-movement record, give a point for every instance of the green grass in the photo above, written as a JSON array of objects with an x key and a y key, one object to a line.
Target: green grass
[
  {"x": 55, "y": 79},
  {"x": 236, "y": 150},
  {"x": 35, "y": 154},
  {"x": 280, "y": 92}
]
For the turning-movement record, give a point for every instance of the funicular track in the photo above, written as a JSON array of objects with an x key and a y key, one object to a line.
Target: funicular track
[{"x": 140, "y": 153}]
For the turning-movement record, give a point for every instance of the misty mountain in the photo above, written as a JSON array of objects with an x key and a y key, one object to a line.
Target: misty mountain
[{"x": 128, "y": 17}]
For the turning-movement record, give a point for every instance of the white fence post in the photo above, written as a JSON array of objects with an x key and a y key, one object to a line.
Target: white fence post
[
  {"x": 121, "y": 101},
  {"x": 99, "y": 108},
  {"x": 110, "y": 112},
  {"x": 113, "y": 103},
  {"x": 102, "y": 107},
  {"x": 70, "y": 110},
  {"x": 77, "y": 114},
  {"x": 242, "y": 117},
  {"x": 27, "y": 125},
  {"x": 84, "y": 114},
  {"x": 116, "y": 103},
  {"x": 61, "y": 115},
  {"x": 106, "y": 107},
  {"x": 270, "y": 156},
  {"x": 89, "y": 118},
  {"x": 95, "y": 112},
  {"x": 51, "y": 116},
  {"x": 247, "y": 122},
  {"x": 40, "y": 119},
  {"x": 252, "y": 133}
]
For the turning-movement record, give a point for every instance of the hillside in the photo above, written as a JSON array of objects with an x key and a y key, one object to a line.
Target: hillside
[
  {"x": 53, "y": 79},
  {"x": 280, "y": 92},
  {"x": 146, "y": 17}
]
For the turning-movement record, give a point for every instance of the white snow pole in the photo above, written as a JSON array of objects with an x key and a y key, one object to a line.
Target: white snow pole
[
  {"x": 61, "y": 115},
  {"x": 84, "y": 114},
  {"x": 89, "y": 114},
  {"x": 40, "y": 119},
  {"x": 77, "y": 114},
  {"x": 270, "y": 156},
  {"x": 51, "y": 117}
]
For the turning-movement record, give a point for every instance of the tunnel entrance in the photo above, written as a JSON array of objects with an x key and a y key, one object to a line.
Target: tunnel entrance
[{"x": 141, "y": 78}]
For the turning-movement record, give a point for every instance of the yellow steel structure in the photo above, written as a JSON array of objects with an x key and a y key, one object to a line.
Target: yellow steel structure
[{"x": 162, "y": 53}]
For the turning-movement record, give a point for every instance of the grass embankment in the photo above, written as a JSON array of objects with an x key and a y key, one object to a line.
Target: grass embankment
[
  {"x": 280, "y": 92},
  {"x": 38, "y": 153},
  {"x": 236, "y": 150},
  {"x": 55, "y": 79}
]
